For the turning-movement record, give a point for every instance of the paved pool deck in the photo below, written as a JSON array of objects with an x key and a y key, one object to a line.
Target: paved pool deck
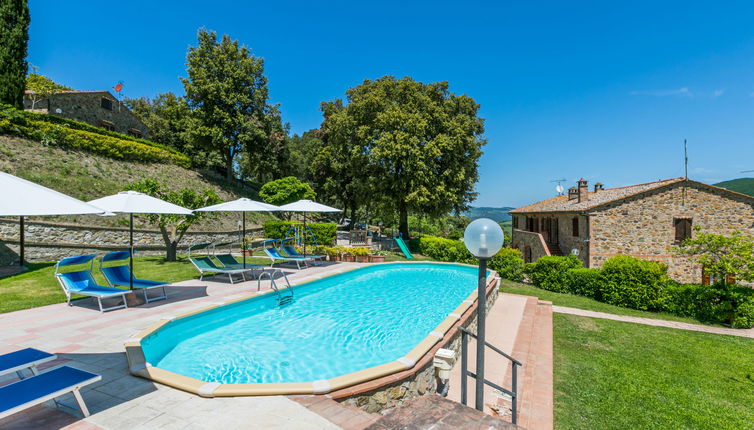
[{"x": 83, "y": 337}]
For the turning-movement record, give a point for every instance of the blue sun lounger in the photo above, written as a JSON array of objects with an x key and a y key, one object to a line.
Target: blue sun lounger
[
  {"x": 23, "y": 359},
  {"x": 205, "y": 265},
  {"x": 120, "y": 276},
  {"x": 81, "y": 282},
  {"x": 291, "y": 251},
  {"x": 45, "y": 386},
  {"x": 275, "y": 255}
]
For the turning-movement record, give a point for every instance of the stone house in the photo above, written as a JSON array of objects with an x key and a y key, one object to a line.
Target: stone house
[
  {"x": 644, "y": 221},
  {"x": 98, "y": 108}
]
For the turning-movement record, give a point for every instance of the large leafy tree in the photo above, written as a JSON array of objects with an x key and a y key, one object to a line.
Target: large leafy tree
[
  {"x": 14, "y": 39},
  {"x": 285, "y": 190},
  {"x": 227, "y": 92},
  {"x": 173, "y": 227},
  {"x": 721, "y": 255},
  {"x": 421, "y": 143}
]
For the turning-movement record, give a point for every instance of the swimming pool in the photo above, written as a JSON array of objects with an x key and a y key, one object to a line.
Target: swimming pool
[{"x": 342, "y": 324}]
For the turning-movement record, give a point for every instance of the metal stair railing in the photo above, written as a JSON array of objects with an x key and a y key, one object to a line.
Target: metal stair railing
[
  {"x": 282, "y": 299},
  {"x": 513, "y": 392}
]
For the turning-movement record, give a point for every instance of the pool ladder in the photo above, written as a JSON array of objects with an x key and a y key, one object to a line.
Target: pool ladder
[{"x": 282, "y": 299}]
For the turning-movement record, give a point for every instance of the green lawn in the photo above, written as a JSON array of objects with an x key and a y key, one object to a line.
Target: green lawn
[
  {"x": 616, "y": 375},
  {"x": 580, "y": 302}
]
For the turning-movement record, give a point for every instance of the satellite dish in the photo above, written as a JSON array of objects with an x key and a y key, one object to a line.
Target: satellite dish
[
  {"x": 559, "y": 188},
  {"x": 58, "y": 110},
  {"x": 575, "y": 252}
]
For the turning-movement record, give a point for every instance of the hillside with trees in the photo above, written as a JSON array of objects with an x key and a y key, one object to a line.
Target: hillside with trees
[{"x": 741, "y": 185}]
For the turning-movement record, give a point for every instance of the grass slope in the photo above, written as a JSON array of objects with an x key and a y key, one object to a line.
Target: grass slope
[
  {"x": 88, "y": 176},
  {"x": 741, "y": 185},
  {"x": 616, "y": 375}
]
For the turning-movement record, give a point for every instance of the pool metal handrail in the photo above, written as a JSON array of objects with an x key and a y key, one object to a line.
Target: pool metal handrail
[
  {"x": 513, "y": 392},
  {"x": 282, "y": 300}
]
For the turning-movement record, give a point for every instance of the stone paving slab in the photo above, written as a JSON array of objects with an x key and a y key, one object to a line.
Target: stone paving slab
[
  {"x": 83, "y": 337},
  {"x": 740, "y": 332}
]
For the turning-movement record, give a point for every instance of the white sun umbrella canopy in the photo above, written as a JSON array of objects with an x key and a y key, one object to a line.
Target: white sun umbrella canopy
[
  {"x": 242, "y": 205},
  {"x": 133, "y": 202},
  {"x": 23, "y": 198},
  {"x": 306, "y": 206}
]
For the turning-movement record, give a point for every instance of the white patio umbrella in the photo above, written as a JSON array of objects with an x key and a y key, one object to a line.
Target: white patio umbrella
[
  {"x": 23, "y": 198},
  {"x": 306, "y": 206},
  {"x": 242, "y": 205},
  {"x": 132, "y": 202}
]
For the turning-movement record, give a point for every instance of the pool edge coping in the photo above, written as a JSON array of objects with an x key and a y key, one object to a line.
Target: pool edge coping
[{"x": 138, "y": 365}]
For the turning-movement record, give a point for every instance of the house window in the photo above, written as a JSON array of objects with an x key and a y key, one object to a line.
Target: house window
[
  {"x": 106, "y": 103},
  {"x": 134, "y": 132},
  {"x": 711, "y": 278},
  {"x": 682, "y": 228},
  {"x": 515, "y": 222},
  {"x": 575, "y": 226},
  {"x": 107, "y": 125}
]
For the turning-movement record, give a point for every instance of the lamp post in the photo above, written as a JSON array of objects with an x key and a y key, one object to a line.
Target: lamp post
[{"x": 483, "y": 238}]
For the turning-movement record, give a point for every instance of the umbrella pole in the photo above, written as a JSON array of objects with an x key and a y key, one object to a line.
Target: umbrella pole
[
  {"x": 131, "y": 253},
  {"x": 21, "y": 252},
  {"x": 304, "y": 233},
  {"x": 243, "y": 238}
]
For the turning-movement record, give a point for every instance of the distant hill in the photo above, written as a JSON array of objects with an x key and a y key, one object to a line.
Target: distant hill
[
  {"x": 495, "y": 214},
  {"x": 741, "y": 185}
]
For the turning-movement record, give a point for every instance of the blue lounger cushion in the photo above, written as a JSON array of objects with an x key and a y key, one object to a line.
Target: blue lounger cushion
[
  {"x": 291, "y": 251},
  {"x": 121, "y": 275},
  {"x": 31, "y": 391},
  {"x": 275, "y": 253},
  {"x": 81, "y": 282},
  {"x": 23, "y": 359}
]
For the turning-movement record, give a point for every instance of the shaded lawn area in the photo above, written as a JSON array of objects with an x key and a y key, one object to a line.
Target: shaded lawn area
[
  {"x": 38, "y": 286},
  {"x": 617, "y": 375},
  {"x": 580, "y": 302}
]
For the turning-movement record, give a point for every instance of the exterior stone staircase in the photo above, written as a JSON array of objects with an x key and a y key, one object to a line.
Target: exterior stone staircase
[{"x": 555, "y": 249}]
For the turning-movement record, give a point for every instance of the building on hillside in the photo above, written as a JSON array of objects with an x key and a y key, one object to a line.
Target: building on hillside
[
  {"x": 98, "y": 108},
  {"x": 644, "y": 221}
]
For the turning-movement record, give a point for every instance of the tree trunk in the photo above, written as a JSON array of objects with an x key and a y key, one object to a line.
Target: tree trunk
[
  {"x": 172, "y": 251},
  {"x": 353, "y": 218},
  {"x": 403, "y": 221},
  {"x": 229, "y": 168}
]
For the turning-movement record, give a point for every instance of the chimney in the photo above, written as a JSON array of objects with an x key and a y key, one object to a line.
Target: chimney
[
  {"x": 583, "y": 192},
  {"x": 598, "y": 187},
  {"x": 573, "y": 193}
]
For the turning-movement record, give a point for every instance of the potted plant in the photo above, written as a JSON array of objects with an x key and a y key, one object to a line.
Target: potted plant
[
  {"x": 361, "y": 254},
  {"x": 347, "y": 255},
  {"x": 332, "y": 252},
  {"x": 246, "y": 247},
  {"x": 377, "y": 257}
]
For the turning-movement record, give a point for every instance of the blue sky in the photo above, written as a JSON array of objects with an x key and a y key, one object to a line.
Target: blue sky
[{"x": 568, "y": 89}]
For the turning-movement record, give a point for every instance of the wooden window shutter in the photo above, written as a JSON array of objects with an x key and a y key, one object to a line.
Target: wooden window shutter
[
  {"x": 575, "y": 226},
  {"x": 730, "y": 279},
  {"x": 705, "y": 278}
]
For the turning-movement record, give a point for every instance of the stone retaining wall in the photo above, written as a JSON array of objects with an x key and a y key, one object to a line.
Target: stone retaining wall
[
  {"x": 423, "y": 380},
  {"x": 49, "y": 241}
]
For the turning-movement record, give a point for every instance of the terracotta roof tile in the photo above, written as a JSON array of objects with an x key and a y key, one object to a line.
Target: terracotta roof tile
[{"x": 562, "y": 204}]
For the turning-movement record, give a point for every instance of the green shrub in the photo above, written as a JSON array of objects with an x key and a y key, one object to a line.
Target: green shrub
[
  {"x": 324, "y": 232},
  {"x": 743, "y": 316},
  {"x": 442, "y": 249},
  {"x": 55, "y": 131},
  {"x": 509, "y": 264},
  {"x": 550, "y": 272},
  {"x": 730, "y": 304},
  {"x": 584, "y": 282},
  {"x": 633, "y": 283}
]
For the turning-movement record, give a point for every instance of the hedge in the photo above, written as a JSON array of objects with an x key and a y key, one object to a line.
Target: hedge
[
  {"x": 639, "y": 284},
  {"x": 324, "y": 232},
  {"x": 61, "y": 132},
  {"x": 508, "y": 263},
  {"x": 550, "y": 272}
]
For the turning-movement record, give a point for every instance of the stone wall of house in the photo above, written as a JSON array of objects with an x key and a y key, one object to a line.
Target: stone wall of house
[
  {"x": 423, "y": 381},
  {"x": 554, "y": 228},
  {"x": 643, "y": 225},
  {"x": 531, "y": 245},
  {"x": 86, "y": 106},
  {"x": 48, "y": 241}
]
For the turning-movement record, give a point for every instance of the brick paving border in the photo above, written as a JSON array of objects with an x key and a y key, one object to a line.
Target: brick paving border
[{"x": 740, "y": 332}]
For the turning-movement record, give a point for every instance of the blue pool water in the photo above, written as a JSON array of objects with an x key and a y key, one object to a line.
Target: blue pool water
[{"x": 337, "y": 325}]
